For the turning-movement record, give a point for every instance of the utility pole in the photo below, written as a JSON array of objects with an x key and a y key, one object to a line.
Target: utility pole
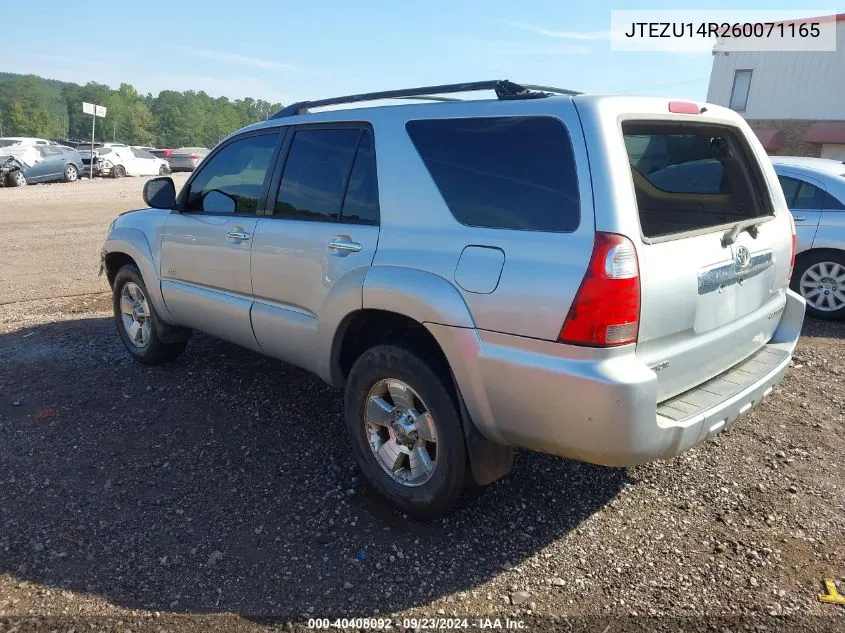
[{"x": 114, "y": 133}]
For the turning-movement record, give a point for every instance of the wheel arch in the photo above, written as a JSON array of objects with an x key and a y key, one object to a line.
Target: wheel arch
[
  {"x": 129, "y": 245},
  {"x": 397, "y": 305}
]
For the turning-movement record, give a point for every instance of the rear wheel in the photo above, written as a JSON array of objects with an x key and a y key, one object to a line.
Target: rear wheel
[
  {"x": 406, "y": 432},
  {"x": 819, "y": 277},
  {"x": 118, "y": 171},
  {"x": 163, "y": 171},
  {"x": 137, "y": 321},
  {"x": 16, "y": 178},
  {"x": 71, "y": 173}
]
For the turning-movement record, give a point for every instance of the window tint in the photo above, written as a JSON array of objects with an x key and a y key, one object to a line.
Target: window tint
[
  {"x": 790, "y": 188},
  {"x": 809, "y": 197},
  {"x": 316, "y": 173},
  {"x": 739, "y": 92},
  {"x": 502, "y": 172},
  {"x": 361, "y": 201},
  {"x": 49, "y": 152},
  {"x": 833, "y": 204},
  {"x": 235, "y": 175}
]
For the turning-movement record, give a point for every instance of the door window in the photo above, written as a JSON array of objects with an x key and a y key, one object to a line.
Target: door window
[
  {"x": 233, "y": 179},
  {"x": 800, "y": 194},
  {"x": 316, "y": 173},
  {"x": 360, "y": 205}
]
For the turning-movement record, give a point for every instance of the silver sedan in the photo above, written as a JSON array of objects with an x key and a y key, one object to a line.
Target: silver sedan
[
  {"x": 815, "y": 192},
  {"x": 187, "y": 158}
]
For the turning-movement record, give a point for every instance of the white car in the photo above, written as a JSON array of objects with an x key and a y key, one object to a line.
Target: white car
[
  {"x": 24, "y": 141},
  {"x": 118, "y": 160}
]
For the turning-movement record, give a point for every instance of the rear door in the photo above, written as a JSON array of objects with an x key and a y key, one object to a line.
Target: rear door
[
  {"x": 805, "y": 197},
  {"x": 321, "y": 236},
  {"x": 711, "y": 294},
  {"x": 205, "y": 263}
]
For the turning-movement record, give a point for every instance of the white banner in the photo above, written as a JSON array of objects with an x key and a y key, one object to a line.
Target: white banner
[
  {"x": 88, "y": 108},
  {"x": 722, "y": 30},
  {"x": 101, "y": 111}
]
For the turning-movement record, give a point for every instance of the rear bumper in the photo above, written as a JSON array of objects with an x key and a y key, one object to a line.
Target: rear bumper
[{"x": 603, "y": 410}]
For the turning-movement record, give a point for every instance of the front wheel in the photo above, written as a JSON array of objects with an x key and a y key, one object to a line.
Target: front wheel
[
  {"x": 118, "y": 171},
  {"x": 163, "y": 171},
  {"x": 406, "y": 432},
  {"x": 819, "y": 277},
  {"x": 71, "y": 173},
  {"x": 16, "y": 178},
  {"x": 137, "y": 321}
]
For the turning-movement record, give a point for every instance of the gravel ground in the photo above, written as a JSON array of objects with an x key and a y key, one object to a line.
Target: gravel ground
[{"x": 218, "y": 492}]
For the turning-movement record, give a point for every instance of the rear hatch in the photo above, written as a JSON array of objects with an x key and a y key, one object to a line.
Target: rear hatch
[{"x": 714, "y": 244}]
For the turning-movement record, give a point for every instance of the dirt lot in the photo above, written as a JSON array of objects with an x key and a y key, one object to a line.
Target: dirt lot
[{"x": 218, "y": 493}]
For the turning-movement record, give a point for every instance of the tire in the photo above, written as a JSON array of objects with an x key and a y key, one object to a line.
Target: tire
[
  {"x": 118, "y": 171},
  {"x": 16, "y": 179},
  {"x": 71, "y": 173},
  {"x": 437, "y": 491},
  {"x": 819, "y": 277},
  {"x": 147, "y": 346},
  {"x": 163, "y": 171}
]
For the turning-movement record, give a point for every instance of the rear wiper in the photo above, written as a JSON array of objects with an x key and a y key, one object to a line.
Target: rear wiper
[{"x": 730, "y": 236}]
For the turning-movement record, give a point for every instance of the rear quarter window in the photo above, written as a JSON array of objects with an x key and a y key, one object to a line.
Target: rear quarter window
[{"x": 502, "y": 172}]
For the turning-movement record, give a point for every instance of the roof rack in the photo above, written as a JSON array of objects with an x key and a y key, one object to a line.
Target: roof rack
[{"x": 503, "y": 88}]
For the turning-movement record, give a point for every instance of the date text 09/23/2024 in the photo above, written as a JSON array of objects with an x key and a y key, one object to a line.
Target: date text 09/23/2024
[{"x": 378, "y": 624}]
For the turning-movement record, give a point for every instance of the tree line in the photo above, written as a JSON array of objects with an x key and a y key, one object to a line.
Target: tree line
[{"x": 34, "y": 106}]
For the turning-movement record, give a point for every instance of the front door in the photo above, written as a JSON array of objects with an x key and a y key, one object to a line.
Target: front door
[
  {"x": 320, "y": 239},
  {"x": 206, "y": 244}
]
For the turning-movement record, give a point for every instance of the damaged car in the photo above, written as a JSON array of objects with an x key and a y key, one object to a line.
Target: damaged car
[
  {"x": 118, "y": 160},
  {"x": 21, "y": 165}
]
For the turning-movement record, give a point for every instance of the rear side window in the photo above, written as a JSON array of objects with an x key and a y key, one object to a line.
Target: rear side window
[
  {"x": 502, "y": 172},
  {"x": 692, "y": 176},
  {"x": 833, "y": 204}
]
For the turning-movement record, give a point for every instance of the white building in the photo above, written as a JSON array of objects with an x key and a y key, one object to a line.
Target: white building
[{"x": 794, "y": 101}]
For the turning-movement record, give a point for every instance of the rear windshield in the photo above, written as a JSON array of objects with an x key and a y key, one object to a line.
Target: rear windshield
[{"x": 691, "y": 176}]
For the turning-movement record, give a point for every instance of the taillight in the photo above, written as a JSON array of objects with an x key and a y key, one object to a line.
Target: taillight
[
  {"x": 195, "y": 156},
  {"x": 794, "y": 246},
  {"x": 606, "y": 310}
]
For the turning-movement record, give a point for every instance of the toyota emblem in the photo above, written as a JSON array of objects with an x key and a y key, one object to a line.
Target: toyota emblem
[{"x": 742, "y": 257}]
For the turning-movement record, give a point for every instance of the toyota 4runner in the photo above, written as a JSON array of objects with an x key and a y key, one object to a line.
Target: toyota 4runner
[{"x": 539, "y": 270}]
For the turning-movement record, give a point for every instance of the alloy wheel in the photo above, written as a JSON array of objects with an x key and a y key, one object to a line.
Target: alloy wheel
[
  {"x": 401, "y": 432},
  {"x": 823, "y": 286},
  {"x": 135, "y": 314}
]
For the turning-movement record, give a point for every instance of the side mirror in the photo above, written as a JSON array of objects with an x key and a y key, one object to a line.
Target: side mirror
[{"x": 160, "y": 193}]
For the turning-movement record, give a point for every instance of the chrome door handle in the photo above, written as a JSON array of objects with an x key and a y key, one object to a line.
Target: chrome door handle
[
  {"x": 238, "y": 235},
  {"x": 343, "y": 245},
  {"x": 798, "y": 219}
]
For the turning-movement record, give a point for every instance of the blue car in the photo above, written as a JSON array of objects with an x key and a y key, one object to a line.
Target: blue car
[{"x": 40, "y": 163}]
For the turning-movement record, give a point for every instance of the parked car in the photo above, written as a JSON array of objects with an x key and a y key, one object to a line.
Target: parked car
[
  {"x": 187, "y": 158},
  {"x": 162, "y": 153},
  {"x": 15, "y": 141},
  {"x": 815, "y": 192},
  {"x": 479, "y": 275},
  {"x": 118, "y": 160},
  {"x": 39, "y": 163}
]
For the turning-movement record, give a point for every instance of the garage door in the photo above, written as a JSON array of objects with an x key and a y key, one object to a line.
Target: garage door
[{"x": 833, "y": 150}]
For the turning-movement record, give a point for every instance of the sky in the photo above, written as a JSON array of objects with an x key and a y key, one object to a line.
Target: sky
[{"x": 284, "y": 51}]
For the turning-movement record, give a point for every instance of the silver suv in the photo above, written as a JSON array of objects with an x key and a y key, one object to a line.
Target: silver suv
[{"x": 478, "y": 275}]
